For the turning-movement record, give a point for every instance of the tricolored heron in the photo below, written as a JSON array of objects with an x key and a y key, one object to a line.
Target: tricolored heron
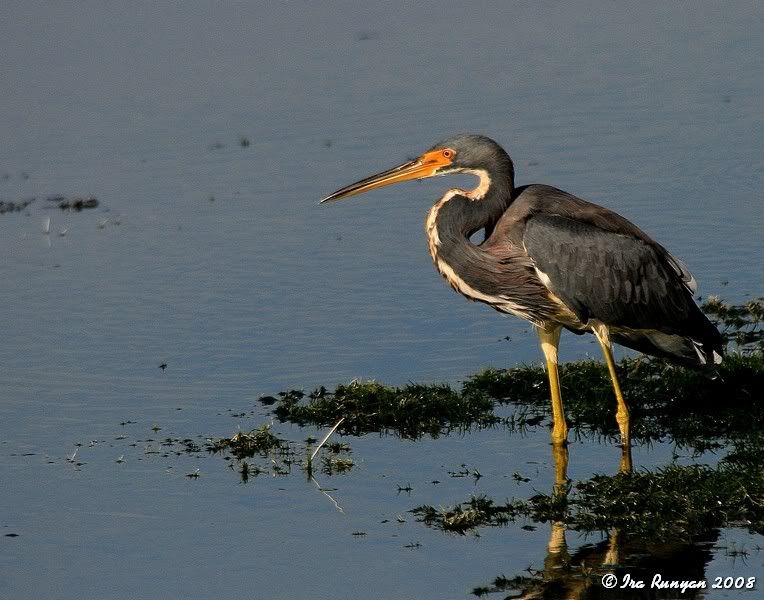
[{"x": 557, "y": 261}]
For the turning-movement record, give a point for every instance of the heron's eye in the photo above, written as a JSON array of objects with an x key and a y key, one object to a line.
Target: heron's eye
[{"x": 448, "y": 153}]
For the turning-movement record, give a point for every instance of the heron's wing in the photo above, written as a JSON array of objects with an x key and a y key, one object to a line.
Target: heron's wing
[
  {"x": 539, "y": 200},
  {"x": 614, "y": 277},
  {"x": 601, "y": 266}
]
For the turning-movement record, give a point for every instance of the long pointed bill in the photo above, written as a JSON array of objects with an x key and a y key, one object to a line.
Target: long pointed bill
[{"x": 426, "y": 165}]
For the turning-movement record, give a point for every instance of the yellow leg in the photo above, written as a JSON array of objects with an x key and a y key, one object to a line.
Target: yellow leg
[
  {"x": 560, "y": 456},
  {"x": 622, "y": 414},
  {"x": 625, "y": 466},
  {"x": 550, "y": 340},
  {"x": 613, "y": 554}
]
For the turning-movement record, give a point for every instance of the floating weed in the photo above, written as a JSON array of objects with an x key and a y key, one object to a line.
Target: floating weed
[
  {"x": 260, "y": 441},
  {"x": 666, "y": 401},
  {"x": 10, "y": 207},
  {"x": 76, "y": 203},
  {"x": 249, "y": 453},
  {"x": 465, "y": 471},
  {"x": 739, "y": 324},
  {"x": 732, "y": 551},
  {"x": 247, "y": 470},
  {"x": 675, "y": 502},
  {"x": 411, "y": 411},
  {"x": 281, "y": 469},
  {"x": 189, "y": 446},
  {"x": 520, "y": 478},
  {"x": 323, "y": 441},
  {"x": 338, "y": 447},
  {"x": 244, "y": 470},
  {"x": 335, "y": 464},
  {"x": 503, "y": 584},
  {"x": 478, "y": 511},
  {"x": 280, "y": 454}
]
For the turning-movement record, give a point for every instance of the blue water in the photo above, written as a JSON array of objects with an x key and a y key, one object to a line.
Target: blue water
[{"x": 216, "y": 259}]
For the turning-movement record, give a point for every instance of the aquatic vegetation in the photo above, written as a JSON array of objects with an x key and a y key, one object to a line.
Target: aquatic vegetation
[
  {"x": 410, "y": 411},
  {"x": 660, "y": 524},
  {"x": 713, "y": 411},
  {"x": 476, "y": 512},
  {"x": 665, "y": 520},
  {"x": 260, "y": 441},
  {"x": 674, "y": 502},
  {"x": 281, "y": 454},
  {"x": 78, "y": 203},
  {"x": 739, "y": 324},
  {"x": 10, "y": 207},
  {"x": 336, "y": 464}
]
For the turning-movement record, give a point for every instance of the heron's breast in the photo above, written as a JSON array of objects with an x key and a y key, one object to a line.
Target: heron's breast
[
  {"x": 454, "y": 271},
  {"x": 501, "y": 302}
]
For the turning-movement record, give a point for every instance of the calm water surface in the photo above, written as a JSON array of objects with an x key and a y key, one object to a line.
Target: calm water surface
[{"x": 215, "y": 259}]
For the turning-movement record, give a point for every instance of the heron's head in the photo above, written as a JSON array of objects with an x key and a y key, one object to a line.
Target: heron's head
[{"x": 466, "y": 153}]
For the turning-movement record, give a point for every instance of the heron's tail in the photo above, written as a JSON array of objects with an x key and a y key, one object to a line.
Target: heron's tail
[{"x": 696, "y": 352}]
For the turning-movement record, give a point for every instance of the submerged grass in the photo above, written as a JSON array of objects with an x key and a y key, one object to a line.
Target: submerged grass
[
  {"x": 657, "y": 393},
  {"x": 666, "y": 402},
  {"x": 675, "y": 502},
  {"x": 410, "y": 411},
  {"x": 260, "y": 441},
  {"x": 279, "y": 455},
  {"x": 672, "y": 503}
]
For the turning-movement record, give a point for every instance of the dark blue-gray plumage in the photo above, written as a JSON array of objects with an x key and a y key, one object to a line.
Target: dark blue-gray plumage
[{"x": 557, "y": 261}]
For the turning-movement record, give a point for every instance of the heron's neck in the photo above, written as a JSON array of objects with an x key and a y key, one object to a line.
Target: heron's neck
[{"x": 459, "y": 214}]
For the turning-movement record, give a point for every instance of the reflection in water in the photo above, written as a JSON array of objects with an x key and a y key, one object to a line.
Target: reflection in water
[
  {"x": 631, "y": 561},
  {"x": 628, "y": 563},
  {"x": 661, "y": 525}
]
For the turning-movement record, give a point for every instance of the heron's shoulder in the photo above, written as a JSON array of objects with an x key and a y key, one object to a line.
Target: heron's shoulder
[
  {"x": 560, "y": 210},
  {"x": 544, "y": 200}
]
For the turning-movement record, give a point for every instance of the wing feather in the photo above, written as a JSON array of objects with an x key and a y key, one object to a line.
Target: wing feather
[
  {"x": 615, "y": 278},
  {"x": 603, "y": 267}
]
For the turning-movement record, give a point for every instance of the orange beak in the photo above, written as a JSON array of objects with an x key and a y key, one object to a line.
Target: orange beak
[{"x": 426, "y": 165}]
